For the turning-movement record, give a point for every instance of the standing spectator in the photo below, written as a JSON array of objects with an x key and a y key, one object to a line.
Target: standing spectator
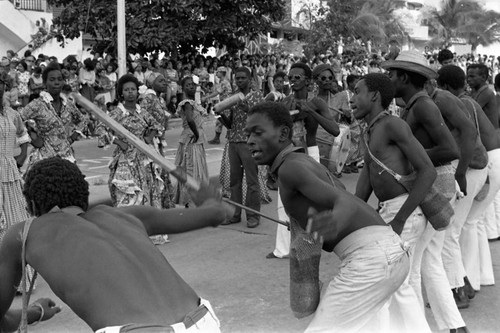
[
  {"x": 86, "y": 76},
  {"x": 13, "y": 208},
  {"x": 36, "y": 83},
  {"x": 54, "y": 122},
  {"x": 112, "y": 77},
  {"x": 191, "y": 156},
  {"x": 23, "y": 81},
  {"x": 239, "y": 156},
  {"x": 73, "y": 80},
  {"x": 154, "y": 104}
]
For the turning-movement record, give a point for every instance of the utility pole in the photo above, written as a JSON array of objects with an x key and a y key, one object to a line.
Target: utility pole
[{"x": 121, "y": 42}]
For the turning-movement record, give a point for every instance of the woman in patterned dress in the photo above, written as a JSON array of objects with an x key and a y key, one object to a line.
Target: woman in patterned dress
[
  {"x": 53, "y": 121},
  {"x": 24, "y": 80},
  {"x": 154, "y": 104},
  {"x": 191, "y": 156},
  {"x": 13, "y": 207},
  {"x": 134, "y": 179}
]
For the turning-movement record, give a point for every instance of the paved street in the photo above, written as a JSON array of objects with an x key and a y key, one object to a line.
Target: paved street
[{"x": 227, "y": 265}]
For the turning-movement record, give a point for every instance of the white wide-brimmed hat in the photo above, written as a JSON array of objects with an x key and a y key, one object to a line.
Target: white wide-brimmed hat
[{"x": 411, "y": 61}]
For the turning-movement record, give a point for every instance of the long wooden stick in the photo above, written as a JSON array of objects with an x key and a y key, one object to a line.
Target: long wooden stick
[
  {"x": 178, "y": 173},
  {"x": 175, "y": 171},
  {"x": 286, "y": 224}
]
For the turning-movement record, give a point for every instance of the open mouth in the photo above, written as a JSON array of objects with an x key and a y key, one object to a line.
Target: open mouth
[{"x": 256, "y": 154}]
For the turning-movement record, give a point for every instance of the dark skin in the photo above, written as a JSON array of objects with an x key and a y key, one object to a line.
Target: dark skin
[
  {"x": 426, "y": 122},
  {"x": 130, "y": 95},
  {"x": 392, "y": 142},
  {"x": 486, "y": 99},
  {"x": 305, "y": 186},
  {"x": 316, "y": 109},
  {"x": 456, "y": 118},
  {"x": 189, "y": 90},
  {"x": 72, "y": 252},
  {"x": 488, "y": 133}
]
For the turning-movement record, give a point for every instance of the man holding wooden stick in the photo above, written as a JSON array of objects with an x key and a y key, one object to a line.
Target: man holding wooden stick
[{"x": 94, "y": 259}]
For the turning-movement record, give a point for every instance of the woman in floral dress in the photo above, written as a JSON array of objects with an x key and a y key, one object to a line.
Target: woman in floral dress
[
  {"x": 24, "y": 80},
  {"x": 134, "y": 179},
  {"x": 53, "y": 121},
  {"x": 13, "y": 207},
  {"x": 191, "y": 156}
]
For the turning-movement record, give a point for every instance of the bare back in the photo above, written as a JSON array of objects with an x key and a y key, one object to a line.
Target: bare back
[
  {"x": 103, "y": 265},
  {"x": 304, "y": 183}
]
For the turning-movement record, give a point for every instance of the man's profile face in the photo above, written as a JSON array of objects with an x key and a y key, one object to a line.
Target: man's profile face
[
  {"x": 263, "y": 138},
  {"x": 474, "y": 78},
  {"x": 362, "y": 100},
  {"x": 396, "y": 81}
]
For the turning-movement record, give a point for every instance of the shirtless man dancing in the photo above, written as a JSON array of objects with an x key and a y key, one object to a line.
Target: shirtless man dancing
[
  {"x": 392, "y": 149},
  {"x": 374, "y": 262},
  {"x": 95, "y": 259}
]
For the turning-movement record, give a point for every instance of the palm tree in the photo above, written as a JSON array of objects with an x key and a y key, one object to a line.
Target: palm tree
[{"x": 465, "y": 19}]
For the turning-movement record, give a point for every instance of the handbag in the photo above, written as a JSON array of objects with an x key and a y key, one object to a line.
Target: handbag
[
  {"x": 435, "y": 206},
  {"x": 480, "y": 155}
]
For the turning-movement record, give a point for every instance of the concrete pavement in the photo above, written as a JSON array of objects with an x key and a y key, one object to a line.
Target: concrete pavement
[{"x": 250, "y": 293}]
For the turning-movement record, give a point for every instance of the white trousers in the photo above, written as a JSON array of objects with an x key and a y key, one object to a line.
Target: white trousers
[
  {"x": 282, "y": 247},
  {"x": 492, "y": 218},
  {"x": 431, "y": 274},
  {"x": 476, "y": 254},
  {"x": 403, "y": 309},
  {"x": 452, "y": 255}
]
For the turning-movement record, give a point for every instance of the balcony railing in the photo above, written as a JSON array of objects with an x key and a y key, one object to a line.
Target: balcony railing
[{"x": 35, "y": 5}]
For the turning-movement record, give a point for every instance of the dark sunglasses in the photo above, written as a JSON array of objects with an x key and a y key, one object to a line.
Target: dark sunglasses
[
  {"x": 324, "y": 78},
  {"x": 296, "y": 77}
]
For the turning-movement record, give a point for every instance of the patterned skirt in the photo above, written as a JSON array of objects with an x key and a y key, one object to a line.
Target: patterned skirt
[
  {"x": 224, "y": 179},
  {"x": 192, "y": 159},
  {"x": 135, "y": 184},
  {"x": 13, "y": 207}
]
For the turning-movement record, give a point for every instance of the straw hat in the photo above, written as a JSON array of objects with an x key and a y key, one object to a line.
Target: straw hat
[{"x": 411, "y": 61}]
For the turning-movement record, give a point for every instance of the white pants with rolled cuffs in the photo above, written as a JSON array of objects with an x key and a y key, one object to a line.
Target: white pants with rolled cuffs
[
  {"x": 431, "y": 273},
  {"x": 452, "y": 252},
  {"x": 403, "y": 309},
  {"x": 282, "y": 247},
  {"x": 476, "y": 254}
]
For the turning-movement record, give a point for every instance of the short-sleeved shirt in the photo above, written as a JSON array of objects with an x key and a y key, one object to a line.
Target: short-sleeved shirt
[{"x": 239, "y": 116}]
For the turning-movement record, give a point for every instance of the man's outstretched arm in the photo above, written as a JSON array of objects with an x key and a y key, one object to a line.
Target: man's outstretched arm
[{"x": 10, "y": 275}]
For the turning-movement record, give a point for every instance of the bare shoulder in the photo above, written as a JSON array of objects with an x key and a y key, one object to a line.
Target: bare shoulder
[
  {"x": 426, "y": 109},
  {"x": 12, "y": 240},
  {"x": 396, "y": 127},
  {"x": 293, "y": 166}
]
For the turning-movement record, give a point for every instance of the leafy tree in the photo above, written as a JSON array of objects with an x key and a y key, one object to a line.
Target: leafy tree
[
  {"x": 170, "y": 25},
  {"x": 463, "y": 19}
]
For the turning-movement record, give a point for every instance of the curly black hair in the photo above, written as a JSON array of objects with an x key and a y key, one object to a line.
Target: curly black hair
[
  {"x": 125, "y": 79},
  {"x": 381, "y": 83},
  {"x": 276, "y": 112},
  {"x": 451, "y": 75},
  {"x": 55, "y": 182}
]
